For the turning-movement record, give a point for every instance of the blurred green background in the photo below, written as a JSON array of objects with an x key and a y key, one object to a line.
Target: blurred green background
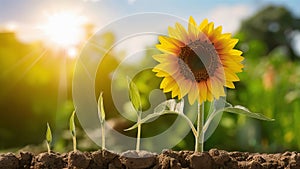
[{"x": 36, "y": 88}]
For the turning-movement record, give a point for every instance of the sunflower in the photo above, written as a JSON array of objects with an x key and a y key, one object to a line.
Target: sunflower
[{"x": 197, "y": 62}]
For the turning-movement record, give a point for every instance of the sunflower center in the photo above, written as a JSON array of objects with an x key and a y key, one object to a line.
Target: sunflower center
[{"x": 198, "y": 60}]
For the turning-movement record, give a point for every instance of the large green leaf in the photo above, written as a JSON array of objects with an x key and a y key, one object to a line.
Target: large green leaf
[
  {"x": 134, "y": 95},
  {"x": 167, "y": 107},
  {"x": 72, "y": 124},
  {"x": 244, "y": 111},
  {"x": 171, "y": 105},
  {"x": 232, "y": 109},
  {"x": 48, "y": 134},
  {"x": 101, "y": 112}
]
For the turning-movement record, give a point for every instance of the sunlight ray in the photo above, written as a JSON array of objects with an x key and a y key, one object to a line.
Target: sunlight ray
[
  {"x": 20, "y": 62},
  {"x": 22, "y": 75}
]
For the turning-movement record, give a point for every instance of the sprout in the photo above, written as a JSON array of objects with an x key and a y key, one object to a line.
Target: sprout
[
  {"x": 101, "y": 115},
  {"x": 73, "y": 130},
  {"x": 48, "y": 137},
  {"x": 135, "y": 99}
]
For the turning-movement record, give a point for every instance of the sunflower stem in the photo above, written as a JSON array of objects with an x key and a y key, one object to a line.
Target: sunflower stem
[
  {"x": 138, "y": 137},
  {"x": 199, "y": 138}
]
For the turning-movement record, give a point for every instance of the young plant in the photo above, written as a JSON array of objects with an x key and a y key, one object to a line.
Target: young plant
[
  {"x": 135, "y": 99},
  {"x": 48, "y": 138},
  {"x": 73, "y": 131},
  {"x": 198, "y": 63},
  {"x": 101, "y": 115}
]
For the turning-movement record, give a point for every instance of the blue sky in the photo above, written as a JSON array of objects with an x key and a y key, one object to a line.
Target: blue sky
[{"x": 27, "y": 13}]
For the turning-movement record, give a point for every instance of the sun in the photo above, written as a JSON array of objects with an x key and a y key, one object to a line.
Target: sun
[{"x": 64, "y": 29}]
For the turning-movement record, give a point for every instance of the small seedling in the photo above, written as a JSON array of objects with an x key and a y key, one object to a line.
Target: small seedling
[
  {"x": 135, "y": 99},
  {"x": 101, "y": 115},
  {"x": 48, "y": 137},
  {"x": 73, "y": 131}
]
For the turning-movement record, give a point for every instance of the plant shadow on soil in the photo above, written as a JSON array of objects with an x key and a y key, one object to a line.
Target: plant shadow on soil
[{"x": 213, "y": 159}]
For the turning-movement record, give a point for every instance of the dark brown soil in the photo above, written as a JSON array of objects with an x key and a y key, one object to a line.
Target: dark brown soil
[{"x": 213, "y": 159}]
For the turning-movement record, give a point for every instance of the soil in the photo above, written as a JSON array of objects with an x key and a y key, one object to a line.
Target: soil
[{"x": 213, "y": 159}]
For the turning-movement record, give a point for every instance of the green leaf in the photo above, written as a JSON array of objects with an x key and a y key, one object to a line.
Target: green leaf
[
  {"x": 161, "y": 110},
  {"x": 230, "y": 109},
  {"x": 134, "y": 95},
  {"x": 243, "y": 110},
  {"x": 72, "y": 124},
  {"x": 101, "y": 112},
  {"x": 171, "y": 105},
  {"x": 48, "y": 134}
]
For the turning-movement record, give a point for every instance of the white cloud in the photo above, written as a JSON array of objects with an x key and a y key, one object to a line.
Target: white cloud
[
  {"x": 131, "y": 2},
  {"x": 91, "y": 0},
  {"x": 230, "y": 17}
]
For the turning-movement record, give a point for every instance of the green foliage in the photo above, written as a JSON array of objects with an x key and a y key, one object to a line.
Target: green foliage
[
  {"x": 134, "y": 95},
  {"x": 48, "y": 137},
  {"x": 101, "y": 112},
  {"x": 73, "y": 130},
  {"x": 244, "y": 111},
  {"x": 272, "y": 26},
  {"x": 48, "y": 134},
  {"x": 72, "y": 125}
]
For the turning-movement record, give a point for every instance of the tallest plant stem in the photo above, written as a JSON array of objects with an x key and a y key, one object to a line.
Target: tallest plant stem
[{"x": 199, "y": 138}]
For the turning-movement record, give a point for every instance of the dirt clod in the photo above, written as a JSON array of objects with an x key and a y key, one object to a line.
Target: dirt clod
[
  {"x": 201, "y": 159},
  {"x": 78, "y": 160},
  {"x": 213, "y": 159},
  {"x": 25, "y": 159},
  {"x": 48, "y": 161},
  {"x": 8, "y": 161},
  {"x": 138, "y": 160}
]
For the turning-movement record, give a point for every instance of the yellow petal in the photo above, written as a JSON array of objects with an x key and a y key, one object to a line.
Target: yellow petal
[
  {"x": 226, "y": 44},
  {"x": 220, "y": 75},
  {"x": 230, "y": 52},
  {"x": 170, "y": 41},
  {"x": 181, "y": 32},
  {"x": 216, "y": 33},
  {"x": 234, "y": 66},
  {"x": 165, "y": 58},
  {"x": 160, "y": 73},
  {"x": 209, "y": 90},
  {"x": 184, "y": 86},
  {"x": 193, "y": 94},
  {"x": 164, "y": 82},
  {"x": 172, "y": 33},
  {"x": 168, "y": 49},
  {"x": 208, "y": 29},
  {"x": 203, "y": 24},
  {"x": 231, "y": 76},
  {"x": 192, "y": 29},
  {"x": 175, "y": 91},
  {"x": 225, "y": 36},
  {"x": 168, "y": 68},
  {"x": 217, "y": 88},
  {"x": 229, "y": 84},
  {"x": 236, "y": 58},
  {"x": 202, "y": 91}
]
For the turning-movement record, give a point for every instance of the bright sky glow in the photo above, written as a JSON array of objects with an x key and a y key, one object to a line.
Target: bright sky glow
[
  {"x": 64, "y": 29},
  {"x": 11, "y": 26}
]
